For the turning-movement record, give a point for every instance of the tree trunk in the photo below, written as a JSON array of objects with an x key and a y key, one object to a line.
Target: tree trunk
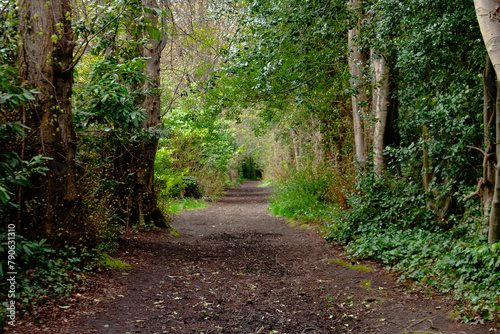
[
  {"x": 359, "y": 99},
  {"x": 494, "y": 222},
  {"x": 296, "y": 149},
  {"x": 52, "y": 208},
  {"x": 381, "y": 108},
  {"x": 317, "y": 138},
  {"x": 144, "y": 204},
  {"x": 134, "y": 166},
  {"x": 427, "y": 175},
  {"x": 489, "y": 110},
  {"x": 488, "y": 18}
]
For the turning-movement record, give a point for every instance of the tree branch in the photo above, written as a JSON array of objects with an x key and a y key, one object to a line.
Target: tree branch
[
  {"x": 480, "y": 150},
  {"x": 477, "y": 192}
]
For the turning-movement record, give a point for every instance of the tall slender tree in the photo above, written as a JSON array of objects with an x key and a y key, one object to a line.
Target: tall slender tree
[
  {"x": 381, "y": 109},
  {"x": 490, "y": 92},
  {"x": 488, "y": 15},
  {"x": 134, "y": 164},
  {"x": 359, "y": 99}
]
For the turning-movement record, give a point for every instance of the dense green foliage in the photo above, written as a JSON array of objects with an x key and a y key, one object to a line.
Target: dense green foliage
[
  {"x": 310, "y": 194},
  {"x": 110, "y": 100},
  {"x": 197, "y": 150},
  {"x": 249, "y": 169},
  {"x": 436, "y": 59},
  {"x": 14, "y": 169},
  {"x": 288, "y": 59}
]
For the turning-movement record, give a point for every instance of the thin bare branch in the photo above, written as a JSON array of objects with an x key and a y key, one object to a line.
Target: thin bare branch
[{"x": 83, "y": 47}]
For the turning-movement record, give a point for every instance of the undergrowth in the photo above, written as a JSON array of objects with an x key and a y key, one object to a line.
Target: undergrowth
[
  {"x": 309, "y": 194},
  {"x": 43, "y": 274},
  {"x": 389, "y": 219}
]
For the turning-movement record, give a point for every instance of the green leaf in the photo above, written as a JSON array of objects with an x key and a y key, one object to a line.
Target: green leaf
[
  {"x": 4, "y": 195},
  {"x": 28, "y": 95},
  {"x": 5, "y": 97}
]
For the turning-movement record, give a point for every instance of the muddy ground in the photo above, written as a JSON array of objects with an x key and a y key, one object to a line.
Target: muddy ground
[{"x": 236, "y": 269}]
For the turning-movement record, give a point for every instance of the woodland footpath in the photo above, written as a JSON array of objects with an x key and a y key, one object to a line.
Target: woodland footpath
[
  {"x": 376, "y": 120},
  {"x": 233, "y": 268}
]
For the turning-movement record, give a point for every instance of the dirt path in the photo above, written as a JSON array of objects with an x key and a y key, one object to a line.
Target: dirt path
[{"x": 235, "y": 269}]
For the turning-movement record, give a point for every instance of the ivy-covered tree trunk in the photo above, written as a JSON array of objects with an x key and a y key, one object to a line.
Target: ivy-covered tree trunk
[
  {"x": 488, "y": 18},
  {"x": 134, "y": 164},
  {"x": 359, "y": 100},
  {"x": 52, "y": 208}
]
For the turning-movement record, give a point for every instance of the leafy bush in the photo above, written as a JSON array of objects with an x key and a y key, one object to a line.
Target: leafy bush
[
  {"x": 14, "y": 170},
  {"x": 167, "y": 178},
  {"x": 310, "y": 193},
  {"x": 378, "y": 203},
  {"x": 198, "y": 149},
  {"x": 438, "y": 260},
  {"x": 111, "y": 99},
  {"x": 193, "y": 160},
  {"x": 43, "y": 274}
]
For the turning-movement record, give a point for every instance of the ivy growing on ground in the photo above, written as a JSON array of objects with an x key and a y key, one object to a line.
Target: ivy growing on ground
[{"x": 389, "y": 221}]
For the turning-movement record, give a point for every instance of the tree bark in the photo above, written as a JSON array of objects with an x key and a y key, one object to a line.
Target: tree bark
[
  {"x": 52, "y": 208},
  {"x": 494, "y": 221},
  {"x": 489, "y": 110},
  {"x": 427, "y": 175},
  {"x": 359, "y": 99},
  {"x": 144, "y": 204},
  {"x": 296, "y": 148},
  {"x": 381, "y": 108},
  {"x": 488, "y": 17}
]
